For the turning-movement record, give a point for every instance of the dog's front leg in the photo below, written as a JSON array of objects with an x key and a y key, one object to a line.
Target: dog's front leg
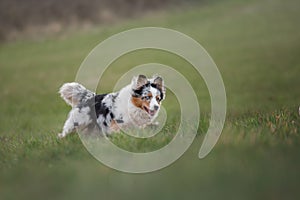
[{"x": 69, "y": 127}]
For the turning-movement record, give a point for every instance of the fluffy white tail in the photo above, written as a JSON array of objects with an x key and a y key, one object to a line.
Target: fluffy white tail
[{"x": 74, "y": 93}]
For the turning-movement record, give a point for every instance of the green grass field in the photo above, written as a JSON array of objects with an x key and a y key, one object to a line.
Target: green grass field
[{"x": 256, "y": 46}]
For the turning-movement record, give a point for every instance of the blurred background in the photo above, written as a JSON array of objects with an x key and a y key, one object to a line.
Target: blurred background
[
  {"x": 34, "y": 17},
  {"x": 256, "y": 46}
]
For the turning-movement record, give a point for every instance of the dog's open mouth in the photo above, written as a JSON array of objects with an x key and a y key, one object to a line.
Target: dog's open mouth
[{"x": 150, "y": 112}]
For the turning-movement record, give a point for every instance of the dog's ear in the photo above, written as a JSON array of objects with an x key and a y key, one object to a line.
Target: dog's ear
[
  {"x": 159, "y": 82},
  {"x": 139, "y": 81}
]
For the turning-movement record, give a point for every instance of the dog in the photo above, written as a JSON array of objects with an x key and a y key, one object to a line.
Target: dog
[{"x": 136, "y": 105}]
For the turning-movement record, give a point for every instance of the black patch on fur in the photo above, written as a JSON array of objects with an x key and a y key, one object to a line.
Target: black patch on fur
[
  {"x": 161, "y": 95},
  {"x": 97, "y": 108},
  {"x": 114, "y": 97},
  {"x": 100, "y": 108},
  {"x": 159, "y": 89},
  {"x": 119, "y": 121},
  {"x": 139, "y": 91},
  {"x": 75, "y": 124},
  {"x": 154, "y": 85},
  {"x": 112, "y": 116}
]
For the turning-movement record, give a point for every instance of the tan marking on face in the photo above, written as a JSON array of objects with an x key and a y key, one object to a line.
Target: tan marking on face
[{"x": 138, "y": 102}]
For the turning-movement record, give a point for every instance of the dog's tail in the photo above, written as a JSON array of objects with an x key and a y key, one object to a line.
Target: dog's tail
[{"x": 74, "y": 93}]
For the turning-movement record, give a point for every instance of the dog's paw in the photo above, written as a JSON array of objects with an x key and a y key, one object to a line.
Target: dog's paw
[{"x": 61, "y": 135}]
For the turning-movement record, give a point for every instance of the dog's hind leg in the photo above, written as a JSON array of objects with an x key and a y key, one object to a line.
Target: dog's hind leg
[{"x": 69, "y": 127}]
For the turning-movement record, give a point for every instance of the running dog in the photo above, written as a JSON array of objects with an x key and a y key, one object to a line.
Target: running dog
[{"x": 135, "y": 105}]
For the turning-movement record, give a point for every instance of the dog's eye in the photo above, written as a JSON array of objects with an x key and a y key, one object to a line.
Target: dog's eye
[
  {"x": 157, "y": 98},
  {"x": 146, "y": 98}
]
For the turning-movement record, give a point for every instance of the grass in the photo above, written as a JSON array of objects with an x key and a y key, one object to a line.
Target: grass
[{"x": 255, "y": 45}]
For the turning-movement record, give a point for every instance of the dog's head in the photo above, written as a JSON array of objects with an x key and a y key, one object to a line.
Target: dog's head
[{"x": 147, "y": 94}]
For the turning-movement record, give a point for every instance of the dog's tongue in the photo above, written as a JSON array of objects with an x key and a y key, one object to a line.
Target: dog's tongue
[{"x": 151, "y": 112}]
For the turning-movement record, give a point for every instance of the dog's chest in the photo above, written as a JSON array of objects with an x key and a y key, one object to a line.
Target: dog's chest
[
  {"x": 139, "y": 118},
  {"x": 129, "y": 115}
]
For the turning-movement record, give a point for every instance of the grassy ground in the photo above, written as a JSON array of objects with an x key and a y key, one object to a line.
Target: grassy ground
[{"x": 256, "y": 47}]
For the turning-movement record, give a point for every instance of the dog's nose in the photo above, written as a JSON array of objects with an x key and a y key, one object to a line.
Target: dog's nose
[{"x": 156, "y": 107}]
